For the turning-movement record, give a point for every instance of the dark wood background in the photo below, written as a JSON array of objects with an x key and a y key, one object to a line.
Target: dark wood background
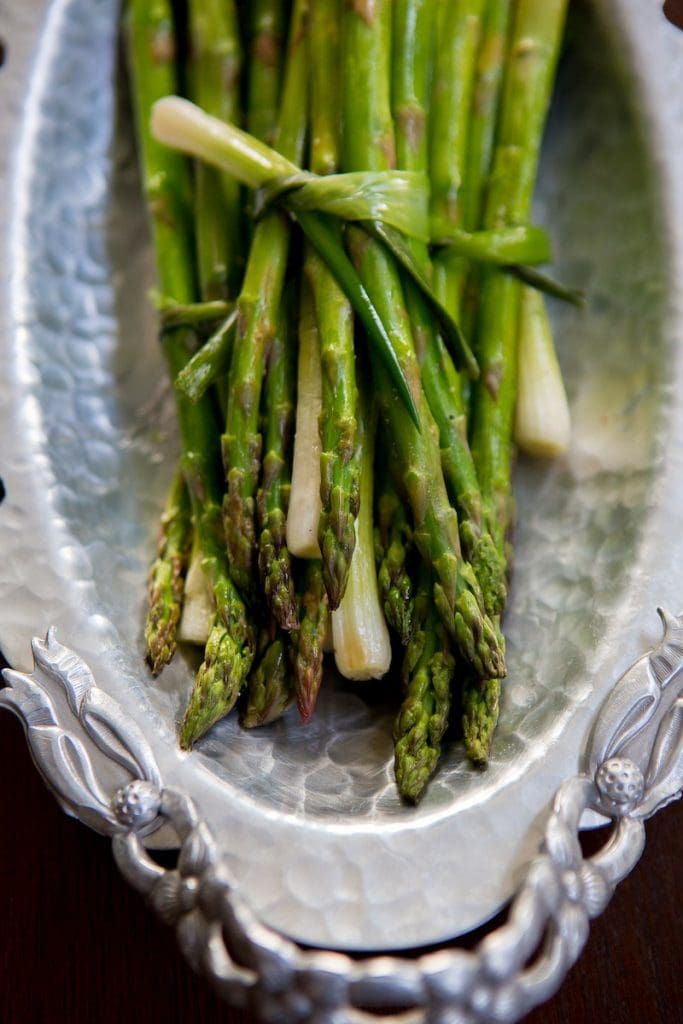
[{"x": 77, "y": 945}]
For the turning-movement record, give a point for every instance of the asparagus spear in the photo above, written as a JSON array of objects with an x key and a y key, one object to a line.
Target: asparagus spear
[
  {"x": 167, "y": 576},
  {"x": 440, "y": 379},
  {"x": 215, "y": 70},
  {"x": 271, "y": 689},
  {"x": 480, "y": 709},
  {"x": 258, "y": 306},
  {"x": 307, "y": 642},
  {"x": 530, "y": 67},
  {"x": 428, "y": 669},
  {"x": 369, "y": 142},
  {"x": 529, "y": 73},
  {"x": 209, "y": 363},
  {"x": 279, "y": 395},
  {"x": 339, "y": 456},
  {"x": 229, "y": 651},
  {"x": 392, "y": 545},
  {"x": 458, "y": 33},
  {"x": 267, "y": 23},
  {"x": 166, "y": 175},
  {"x": 488, "y": 82}
]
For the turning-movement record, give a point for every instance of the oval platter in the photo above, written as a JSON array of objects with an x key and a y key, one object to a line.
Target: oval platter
[{"x": 307, "y": 821}]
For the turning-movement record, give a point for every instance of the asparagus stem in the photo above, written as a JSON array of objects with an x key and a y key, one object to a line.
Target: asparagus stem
[
  {"x": 167, "y": 576},
  {"x": 308, "y": 642},
  {"x": 439, "y": 377},
  {"x": 230, "y": 646},
  {"x": 258, "y": 306},
  {"x": 369, "y": 142},
  {"x": 362, "y": 648},
  {"x": 209, "y": 363},
  {"x": 458, "y": 33},
  {"x": 216, "y": 65},
  {"x": 488, "y": 81},
  {"x": 529, "y": 73},
  {"x": 339, "y": 457},
  {"x": 304, "y": 502},
  {"x": 270, "y": 690},
  {"x": 267, "y": 24},
  {"x": 480, "y": 140},
  {"x": 530, "y": 67},
  {"x": 393, "y": 542},
  {"x": 199, "y": 315},
  {"x": 481, "y": 707},
  {"x": 428, "y": 669},
  {"x": 273, "y": 495}
]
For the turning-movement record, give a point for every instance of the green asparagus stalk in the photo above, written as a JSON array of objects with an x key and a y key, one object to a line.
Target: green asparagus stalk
[
  {"x": 267, "y": 23},
  {"x": 369, "y": 142},
  {"x": 166, "y": 175},
  {"x": 428, "y": 669},
  {"x": 480, "y": 707},
  {"x": 458, "y": 34},
  {"x": 270, "y": 690},
  {"x": 273, "y": 495},
  {"x": 393, "y": 542},
  {"x": 201, "y": 316},
  {"x": 167, "y": 576},
  {"x": 339, "y": 457},
  {"x": 307, "y": 643},
  {"x": 215, "y": 71},
  {"x": 230, "y": 647},
  {"x": 529, "y": 73},
  {"x": 488, "y": 83},
  {"x": 488, "y": 80},
  {"x": 258, "y": 306},
  {"x": 209, "y": 363},
  {"x": 412, "y": 25}
]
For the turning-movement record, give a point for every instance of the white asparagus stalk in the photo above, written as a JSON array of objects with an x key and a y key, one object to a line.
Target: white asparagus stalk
[
  {"x": 362, "y": 648},
  {"x": 304, "y": 500},
  {"x": 542, "y": 421}
]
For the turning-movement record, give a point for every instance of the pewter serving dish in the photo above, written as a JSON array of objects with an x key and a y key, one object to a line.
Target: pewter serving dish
[{"x": 299, "y": 832}]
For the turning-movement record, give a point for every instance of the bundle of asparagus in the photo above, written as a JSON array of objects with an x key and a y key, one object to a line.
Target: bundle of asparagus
[{"x": 369, "y": 287}]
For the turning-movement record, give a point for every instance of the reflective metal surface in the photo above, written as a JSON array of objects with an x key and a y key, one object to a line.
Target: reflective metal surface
[{"x": 309, "y": 818}]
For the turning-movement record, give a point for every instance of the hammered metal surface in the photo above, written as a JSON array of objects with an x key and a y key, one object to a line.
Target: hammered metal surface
[{"x": 310, "y": 820}]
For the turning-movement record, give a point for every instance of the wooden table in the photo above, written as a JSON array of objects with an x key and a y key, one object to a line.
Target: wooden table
[{"x": 77, "y": 945}]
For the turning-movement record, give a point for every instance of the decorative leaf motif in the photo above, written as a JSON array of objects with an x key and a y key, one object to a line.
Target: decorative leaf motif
[
  {"x": 59, "y": 738},
  {"x": 64, "y": 667},
  {"x": 665, "y": 772},
  {"x": 63, "y": 761},
  {"x": 118, "y": 737},
  {"x": 668, "y": 656},
  {"x": 668, "y": 745},
  {"x": 27, "y": 700},
  {"x": 636, "y": 698}
]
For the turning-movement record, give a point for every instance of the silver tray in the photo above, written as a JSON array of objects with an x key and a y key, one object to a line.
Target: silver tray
[{"x": 299, "y": 832}]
